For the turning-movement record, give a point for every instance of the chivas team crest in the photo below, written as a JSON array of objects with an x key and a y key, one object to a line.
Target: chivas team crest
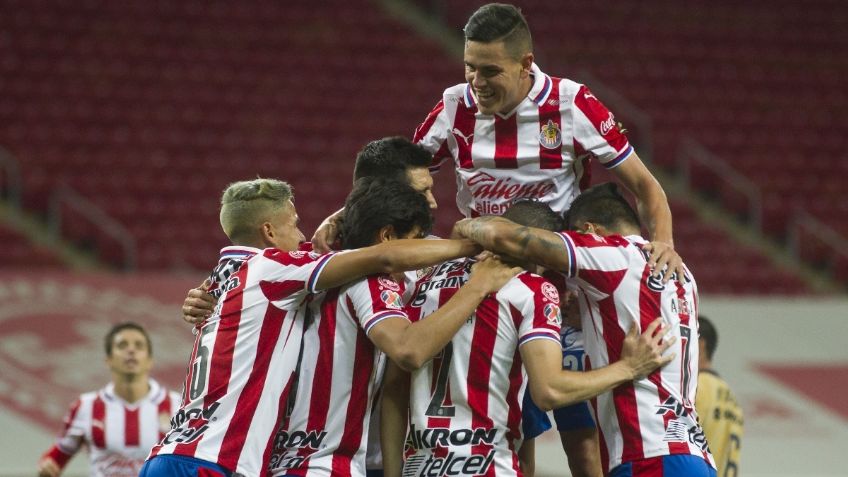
[{"x": 550, "y": 137}]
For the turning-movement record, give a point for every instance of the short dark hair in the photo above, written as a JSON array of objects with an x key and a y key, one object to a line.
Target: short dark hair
[
  {"x": 500, "y": 22},
  {"x": 532, "y": 213},
  {"x": 127, "y": 325},
  {"x": 377, "y": 202},
  {"x": 604, "y": 205},
  {"x": 707, "y": 332},
  {"x": 390, "y": 157}
]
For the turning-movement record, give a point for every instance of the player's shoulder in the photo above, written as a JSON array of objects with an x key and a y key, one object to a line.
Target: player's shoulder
[
  {"x": 456, "y": 91},
  {"x": 532, "y": 284},
  {"x": 286, "y": 257}
]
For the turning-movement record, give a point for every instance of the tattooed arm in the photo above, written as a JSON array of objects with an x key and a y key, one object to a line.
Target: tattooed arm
[{"x": 508, "y": 238}]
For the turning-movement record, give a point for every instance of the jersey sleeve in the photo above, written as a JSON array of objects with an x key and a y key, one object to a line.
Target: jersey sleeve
[
  {"x": 432, "y": 135},
  {"x": 597, "y": 132},
  {"x": 375, "y": 299},
  {"x": 600, "y": 261},
  {"x": 539, "y": 310},
  {"x": 71, "y": 438},
  {"x": 295, "y": 272}
]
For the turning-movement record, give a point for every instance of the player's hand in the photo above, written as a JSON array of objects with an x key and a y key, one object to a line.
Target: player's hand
[
  {"x": 663, "y": 255},
  {"x": 491, "y": 273},
  {"x": 198, "y": 304},
  {"x": 570, "y": 310},
  {"x": 47, "y": 467},
  {"x": 327, "y": 233},
  {"x": 643, "y": 353}
]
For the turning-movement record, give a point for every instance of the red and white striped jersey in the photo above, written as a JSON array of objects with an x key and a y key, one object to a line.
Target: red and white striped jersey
[
  {"x": 326, "y": 431},
  {"x": 244, "y": 359},
  {"x": 540, "y": 150},
  {"x": 653, "y": 416},
  {"x": 118, "y": 434},
  {"x": 465, "y": 404}
]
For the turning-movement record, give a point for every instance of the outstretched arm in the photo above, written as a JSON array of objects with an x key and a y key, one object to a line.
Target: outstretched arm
[
  {"x": 552, "y": 387},
  {"x": 410, "y": 345},
  {"x": 390, "y": 257},
  {"x": 508, "y": 238}
]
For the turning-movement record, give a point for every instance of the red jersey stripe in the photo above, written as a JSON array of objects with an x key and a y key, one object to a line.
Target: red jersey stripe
[
  {"x": 98, "y": 423},
  {"x": 131, "y": 430},
  {"x": 233, "y": 443},
  {"x": 506, "y": 142}
]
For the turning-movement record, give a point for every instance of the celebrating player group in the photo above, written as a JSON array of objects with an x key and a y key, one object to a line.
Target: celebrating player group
[{"x": 377, "y": 349}]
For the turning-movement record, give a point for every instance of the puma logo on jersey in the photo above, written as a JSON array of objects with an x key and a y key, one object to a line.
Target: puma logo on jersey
[
  {"x": 466, "y": 139},
  {"x": 588, "y": 95}
]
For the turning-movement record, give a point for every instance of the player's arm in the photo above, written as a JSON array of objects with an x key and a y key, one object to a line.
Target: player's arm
[
  {"x": 393, "y": 418},
  {"x": 410, "y": 345},
  {"x": 390, "y": 257},
  {"x": 69, "y": 443},
  {"x": 54, "y": 460},
  {"x": 552, "y": 387},
  {"x": 654, "y": 212},
  {"x": 508, "y": 238}
]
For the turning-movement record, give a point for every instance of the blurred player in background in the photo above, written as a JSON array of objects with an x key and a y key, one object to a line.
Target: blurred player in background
[
  {"x": 718, "y": 411},
  {"x": 121, "y": 422},
  {"x": 648, "y": 427}
]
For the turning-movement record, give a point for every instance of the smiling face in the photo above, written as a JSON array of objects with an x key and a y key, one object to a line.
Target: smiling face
[
  {"x": 500, "y": 81},
  {"x": 130, "y": 353}
]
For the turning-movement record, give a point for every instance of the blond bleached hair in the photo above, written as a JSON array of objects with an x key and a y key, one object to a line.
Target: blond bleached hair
[{"x": 246, "y": 205}]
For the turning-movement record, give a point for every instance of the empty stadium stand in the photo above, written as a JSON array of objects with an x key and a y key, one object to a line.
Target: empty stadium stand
[{"x": 149, "y": 109}]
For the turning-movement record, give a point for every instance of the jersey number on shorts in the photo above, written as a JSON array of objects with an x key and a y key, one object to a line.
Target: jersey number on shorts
[{"x": 437, "y": 407}]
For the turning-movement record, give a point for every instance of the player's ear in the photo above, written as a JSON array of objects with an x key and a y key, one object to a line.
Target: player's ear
[
  {"x": 526, "y": 63},
  {"x": 386, "y": 233},
  {"x": 267, "y": 231}
]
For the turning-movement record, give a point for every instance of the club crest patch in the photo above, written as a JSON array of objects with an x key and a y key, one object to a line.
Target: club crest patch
[
  {"x": 550, "y": 137},
  {"x": 550, "y": 292},
  {"x": 388, "y": 283}
]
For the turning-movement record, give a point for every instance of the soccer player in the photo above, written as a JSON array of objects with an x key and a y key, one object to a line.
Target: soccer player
[
  {"x": 121, "y": 422},
  {"x": 326, "y": 431},
  {"x": 648, "y": 427},
  {"x": 245, "y": 354},
  {"x": 465, "y": 405},
  {"x": 513, "y": 131},
  {"x": 718, "y": 411}
]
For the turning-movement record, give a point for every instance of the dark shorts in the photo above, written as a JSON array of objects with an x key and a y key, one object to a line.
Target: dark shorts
[
  {"x": 169, "y": 465},
  {"x": 683, "y": 465}
]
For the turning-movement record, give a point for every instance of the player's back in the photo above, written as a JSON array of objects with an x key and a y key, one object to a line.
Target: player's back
[
  {"x": 244, "y": 358},
  {"x": 326, "y": 429},
  {"x": 655, "y": 415},
  {"x": 465, "y": 404}
]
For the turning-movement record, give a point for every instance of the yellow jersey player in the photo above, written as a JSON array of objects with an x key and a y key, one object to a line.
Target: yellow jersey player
[{"x": 718, "y": 410}]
